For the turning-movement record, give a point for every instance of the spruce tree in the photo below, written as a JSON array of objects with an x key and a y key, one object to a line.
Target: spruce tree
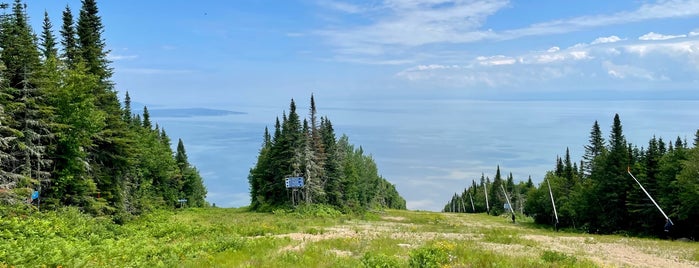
[
  {"x": 91, "y": 46},
  {"x": 127, "y": 108},
  {"x": 594, "y": 149},
  {"x": 48, "y": 41},
  {"x": 68, "y": 39},
  {"x": 146, "y": 119},
  {"x": 24, "y": 100}
]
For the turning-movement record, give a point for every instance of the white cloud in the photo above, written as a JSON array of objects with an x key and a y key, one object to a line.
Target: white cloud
[
  {"x": 116, "y": 57},
  {"x": 628, "y": 71},
  {"x": 656, "y": 36},
  {"x": 496, "y": 60},
  {"x": 396, "y": 28},
  {"x": 659, "y": 10},
  {"x": 693, "y": 33},
  {"x": 553, "y": 49},
  {"x": 604, "y": 40},
  {"x": 340, "y": 6}
]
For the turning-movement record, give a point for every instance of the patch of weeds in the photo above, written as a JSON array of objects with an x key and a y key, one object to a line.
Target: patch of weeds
[
  {"x": 557, "y": 257},
  {"x": 378, "y": 260},
  {"x": 507, "y": 237},
  {"x": 315, "y": 231},
  {"x": 434, "y": 255}
]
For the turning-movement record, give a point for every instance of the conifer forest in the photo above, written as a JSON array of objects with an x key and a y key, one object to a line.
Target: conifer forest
[
  {"x": 597, "y": 194},
  {"x": 66, "y": 138}
]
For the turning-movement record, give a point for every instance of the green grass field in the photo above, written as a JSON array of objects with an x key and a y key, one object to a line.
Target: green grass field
[{"x": 318, "y": 237}]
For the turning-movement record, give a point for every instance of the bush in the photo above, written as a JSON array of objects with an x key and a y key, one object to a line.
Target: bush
[
  {"x": 434, "y": 255},
  {"x": 374, "y": 260}
]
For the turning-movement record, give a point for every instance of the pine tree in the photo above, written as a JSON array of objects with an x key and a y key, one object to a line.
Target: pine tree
[
  {"x": 594, "y": 149},
  {"x": 68, "y": 39},
  {"x": 112, "y": 152},
  {"x": 25, "y": 101},
  {"x": 48, "y": 41},
  {"x": 78, "y": 121},
  {"x": 91, "y": 46},
  {"x": 181, "y": 156},
  {"x": 146, "y": 119},
  {"x": 612, "y": 184},
  {"x": 20, "y": 54},
  {"x": 193, "y": 186},
  {"x": 495, "y": 195},
  {"x": 696, "y": 139},
  {"x": 127, "y": 108}
]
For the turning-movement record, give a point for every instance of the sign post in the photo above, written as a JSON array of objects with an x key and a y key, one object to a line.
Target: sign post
[
  {"x": 509, "y": 205},
  {"x": 294, "y": 183}
]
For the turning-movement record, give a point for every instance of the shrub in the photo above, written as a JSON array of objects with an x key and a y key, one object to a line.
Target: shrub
[
  {"x": 434, "y": 255},
  {"x": 374, "y": 260}
]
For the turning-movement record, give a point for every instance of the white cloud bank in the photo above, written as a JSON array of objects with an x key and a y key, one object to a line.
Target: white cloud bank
[
  {"x": 657, "y": 59},
  {"x": 395, "y": 27}
]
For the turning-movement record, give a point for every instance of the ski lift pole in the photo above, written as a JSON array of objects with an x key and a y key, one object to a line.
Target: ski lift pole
[
  {"x": 553, "y": 204},
  {"x": 487, "y": 206},
  {"x": 628, "y": 169},
  {"x": 508, "y": 203},
  {"x": 472, "y": 206}
]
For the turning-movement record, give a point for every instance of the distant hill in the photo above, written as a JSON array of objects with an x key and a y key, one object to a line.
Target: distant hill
[{"x": 190, "y": 112}]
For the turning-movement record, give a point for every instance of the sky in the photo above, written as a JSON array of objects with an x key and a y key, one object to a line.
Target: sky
[{"x": 437, "y": 91}]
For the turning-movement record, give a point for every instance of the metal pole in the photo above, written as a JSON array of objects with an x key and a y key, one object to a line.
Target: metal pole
[
  {"x": 487, "y": 206},
  {"x": 508, "y": 199},
  {"x": 472, "y": 206},
  {"x": 628, "y": 169},
  {"x": 553, "y": 203}
]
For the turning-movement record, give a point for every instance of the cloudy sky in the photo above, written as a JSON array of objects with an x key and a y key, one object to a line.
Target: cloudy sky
[{"x": 390, "y": 56}]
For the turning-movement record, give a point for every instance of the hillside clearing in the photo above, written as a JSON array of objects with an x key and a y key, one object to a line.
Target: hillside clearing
[{"x": 394, "y": 238}]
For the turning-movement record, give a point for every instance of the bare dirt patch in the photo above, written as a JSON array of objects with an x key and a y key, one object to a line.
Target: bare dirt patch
[{"x": 611, "y": 254}]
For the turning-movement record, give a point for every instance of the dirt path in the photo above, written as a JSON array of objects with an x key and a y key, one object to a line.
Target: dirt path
[
  {"x": 618, "y": 253},
  {"x": 605, "y": 252}
]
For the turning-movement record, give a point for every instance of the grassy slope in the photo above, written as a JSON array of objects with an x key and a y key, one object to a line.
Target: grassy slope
[{"x": 236, "y": 238}]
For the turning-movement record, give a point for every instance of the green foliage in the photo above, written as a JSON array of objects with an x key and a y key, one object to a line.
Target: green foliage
[
  {"x": 434, "y": 255},
  {"x": 64, "y": 133},
  {"x": 335, "y": 172},
  {"x": 551, "y": 256},
  {"x": 378, "y": 260}
]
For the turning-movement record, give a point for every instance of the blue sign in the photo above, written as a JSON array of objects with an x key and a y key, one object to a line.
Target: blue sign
[
  {"x": 35, "y": 195},
  {"x": 294, "y": 182}
]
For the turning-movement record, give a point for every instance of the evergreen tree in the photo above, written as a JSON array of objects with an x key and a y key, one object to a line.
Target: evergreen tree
[
  {"x": 495, "y": 195},
  {"x": 24, "y": 102},
  {"x": 127, "y": 108},
  {"x": 146, "y": 119},
  {"x": 78, "y": 120},
  {"x": 612, "y": 184},
  {"x": 91, "y": 46},
  {"x": 48, "y": 41},
  {"x": 594, "y": 149},
  {"x": 193, "y": 186},
  {"x": 68, "y": 39}
]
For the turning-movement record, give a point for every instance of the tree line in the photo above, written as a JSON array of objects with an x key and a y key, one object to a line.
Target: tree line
[
  {"x": 336, "y": 173},
  {"x": 64, "y": 132},
  {"x": 599, "y": 195}
]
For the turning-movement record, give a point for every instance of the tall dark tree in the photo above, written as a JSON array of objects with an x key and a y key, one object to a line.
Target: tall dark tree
[
  {"x": 48, "y": 41},
  {"x": 68, "y": 39},
  {"x": 91, "y": 46},
  {"x": 24, "y": 101},
  {"x": 593, "y": 149},
  {"x": 192, "y": 184},
  {"x": 146, "y": 119}
]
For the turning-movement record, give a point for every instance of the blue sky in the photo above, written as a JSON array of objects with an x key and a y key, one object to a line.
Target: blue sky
[{"x": 253, "y": 56}]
